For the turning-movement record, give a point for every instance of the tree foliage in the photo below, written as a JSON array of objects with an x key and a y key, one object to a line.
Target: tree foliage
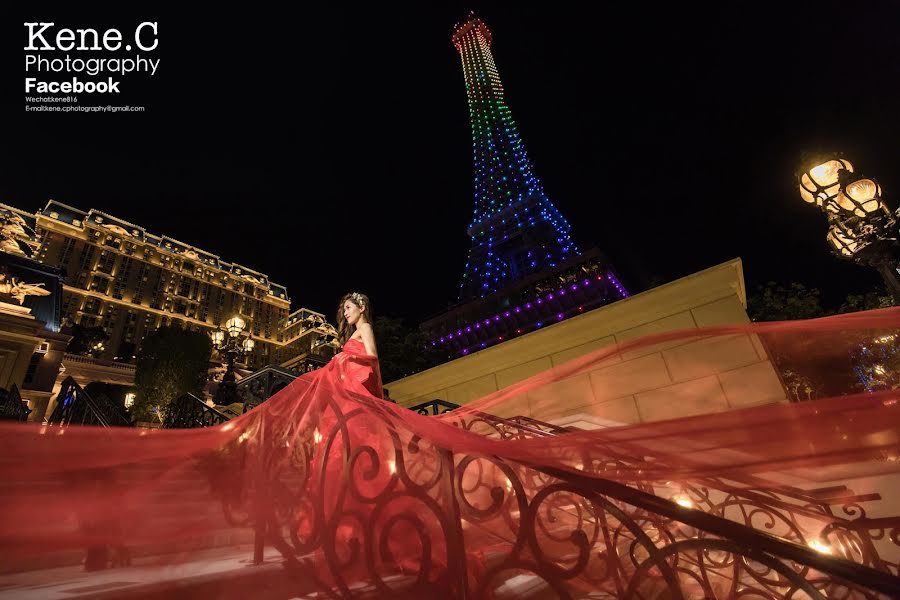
[
  {"x": 871, "y": 364},
  {"x": 777, "y": 302},
  {"x": 85, "y": 340},
  {"x": 866, "y": 301},
  {"x": 402, "y": 350},
  {"x": 172, "y": 361}
]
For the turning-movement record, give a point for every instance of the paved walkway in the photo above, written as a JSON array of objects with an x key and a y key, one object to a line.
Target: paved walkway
[{"x": 75, "y": 583}]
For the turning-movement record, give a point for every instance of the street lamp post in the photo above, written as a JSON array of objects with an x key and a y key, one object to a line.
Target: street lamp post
[
  {"x": 232, "y": 342},
  {"x": 861, "y": 227}
]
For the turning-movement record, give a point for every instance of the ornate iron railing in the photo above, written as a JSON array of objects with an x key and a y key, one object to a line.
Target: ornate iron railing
[
  {"x": 74, "y": 406},
  {"x": 433, "y": 407},
  {"x": 188, "y": 411},
  {"x": 262, "y": 385},
  {"x": 12, "y": 407},
  {"x": 569, "y": 533}
]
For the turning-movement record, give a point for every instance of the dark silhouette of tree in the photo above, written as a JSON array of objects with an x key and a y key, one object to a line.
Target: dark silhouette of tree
[
  {"x": 172, "y": 361},
  {"x": 402, "y": 350},
  {"x": 777, "y": 302},
  {"x": 85, "y": 340}
]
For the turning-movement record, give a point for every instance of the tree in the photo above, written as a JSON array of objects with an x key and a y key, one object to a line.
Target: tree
[
  {"x": 172, "y": 361},
  {"x": 872, "y": 362},
  {"x": 866, "y": 301},
  {"x": 126, "y": 352},
  {"x": 777, "y": 302},
  {"x": 402, "y": 350},
  {"x": 87, "y": 341}
]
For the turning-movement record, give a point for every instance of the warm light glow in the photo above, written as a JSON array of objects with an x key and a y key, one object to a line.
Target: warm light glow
[
  {"x": 218, "y": 337},
  {"x": 682, "y": 501},
  {"x": 392, "y": 466},
  {"x": 819, "y": 547},
  {"x": 886, "y": 338},
  {"x": 129, "y": 399},
  {"x": 820, "y": 184},
  {"x": 879, "y": 369},
  {"x": 317, "y": 437},
  {"x": 235, "y": 325},
  {"x": 248, "y": 345},
  {"x": 862, "y": 190},
  {"x": 826, "y": 174},
  {"x": 861, "y": 197},
  {"x": 843, "y": 241}
]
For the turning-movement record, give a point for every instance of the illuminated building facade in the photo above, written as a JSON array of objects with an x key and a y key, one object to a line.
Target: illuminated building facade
[{"x": 129, "y": 282}]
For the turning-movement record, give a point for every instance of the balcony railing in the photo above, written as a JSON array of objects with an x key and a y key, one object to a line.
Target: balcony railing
[
  {"x": 74, "y": 406},
  {"x": 723, "y": 539},
  {"x": 188, "y": 411},
  {"x": 12, "y": 407}
]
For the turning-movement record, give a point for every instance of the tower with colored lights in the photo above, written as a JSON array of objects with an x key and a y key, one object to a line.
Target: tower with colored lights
[
  {"x": 515, "y": 229},
  {"x": 524, "y": 272}
]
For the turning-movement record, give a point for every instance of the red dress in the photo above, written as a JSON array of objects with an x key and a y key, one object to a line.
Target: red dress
[{"x": 361, "y": 368}]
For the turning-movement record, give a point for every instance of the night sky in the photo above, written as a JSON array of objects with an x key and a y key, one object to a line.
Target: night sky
[{"x": 333, "y": 152}]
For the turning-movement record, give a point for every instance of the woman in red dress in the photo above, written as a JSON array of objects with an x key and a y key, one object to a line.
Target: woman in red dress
[{"x": 357, "y": 338}]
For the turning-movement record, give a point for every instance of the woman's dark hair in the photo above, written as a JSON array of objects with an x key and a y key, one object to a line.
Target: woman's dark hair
[{"x": 363, "y": 303}]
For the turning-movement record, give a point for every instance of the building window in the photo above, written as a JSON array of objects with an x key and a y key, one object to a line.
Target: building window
[
  {"x": 125, "y": 268},
  {"x": 87, "y": 255},
  {"x": 185, "y": 287},
  {"x": 65, "y": 251},
  {"x": 107, "y": 262},
  {"x": 109, "y": 319},
  {"x": 92, "y": 306},
  {"x": 99, "y": 284},
  {"x": 32, "y": 367}
]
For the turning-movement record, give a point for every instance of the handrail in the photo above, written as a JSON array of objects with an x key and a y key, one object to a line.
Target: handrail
[
  {"x": 596, "y": 488},
  {"x": 188, "y": 411},
  {"x": 12, "y": 407},
  {"x": 75, "y": 406},
  {"x": 98, "y": 362},
  {"x": 432, "y": 407},
  {"x": 746, "y": 536}
]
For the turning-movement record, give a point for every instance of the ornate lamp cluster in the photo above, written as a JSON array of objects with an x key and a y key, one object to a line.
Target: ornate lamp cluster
[
  {"x": 232, "y": 341},
  {"x": 861, "y": 227}
]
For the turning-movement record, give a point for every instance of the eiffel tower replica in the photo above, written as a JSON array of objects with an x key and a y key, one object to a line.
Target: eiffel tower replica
[{"x": 524, "y": 271}]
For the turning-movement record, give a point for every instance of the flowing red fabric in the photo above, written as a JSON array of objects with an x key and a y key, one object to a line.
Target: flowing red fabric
[{"x": 571, "y": 483}]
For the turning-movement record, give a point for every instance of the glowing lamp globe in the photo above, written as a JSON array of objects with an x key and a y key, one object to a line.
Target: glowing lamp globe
[
  {"x": 843, "y": 241},
  {"x": 820, "y": 185},
  {"x": 218, "y": 337},
  {"x": 861, "y": 198},
  {"x": 235, "y": 325},
  {"x": 248, "y": 345}
]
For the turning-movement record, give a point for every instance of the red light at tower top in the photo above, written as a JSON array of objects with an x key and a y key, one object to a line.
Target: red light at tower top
[{"x": 472, "y": 23}]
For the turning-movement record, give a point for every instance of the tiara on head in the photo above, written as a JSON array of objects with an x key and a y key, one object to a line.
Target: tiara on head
[{"x": 357, "y": 298}]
